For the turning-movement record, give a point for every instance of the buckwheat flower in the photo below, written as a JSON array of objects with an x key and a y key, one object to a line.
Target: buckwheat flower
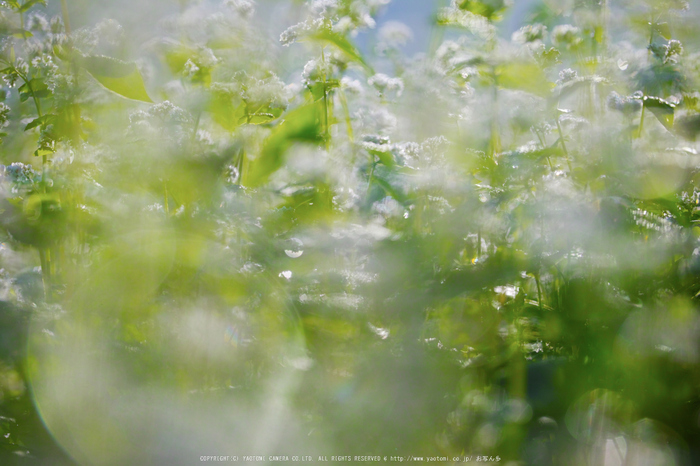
[
  {"x": 270, "y": 91},
  {"x": 167, "y": 111},
  {"x": 45, "y": 65},
  {"x": 366, "y": 20},
  {"x": 20, "y": 173},
  {"x": 351, "y": 86},
  {"x": 204, "y": 137},
  {"x": 291, "y": 34},
  {"x": 375, "y": 139},
  {"x": 37, "y": 22},
  {"x": 385, "y": 84},
  {"x": 206, "y": 57},
  {"x": 190, "y": 69},
  {"x": 530, "y": 33},
  {"x": 324, "y": 8},
  {"x": 395, "y": 34},
  {"x": 344, "y": 26},
  {"x": 376, "y": 4},
  {"x": 109, "y": 31},
  {"x": 674, "y": 47},
  {"x": 34, "y": 48},
  {"x": 541, "y": 128},
  {"x": 567, "y": 75},
  {"x": 566, "y": 34},
  {"x": 626, "y": 105},
  {"x": 56, "y": 25},
  {"x": 21, "y": 66},
  {"x": 447, "y": 50},
  {"x": 244, "y": 8},
  {"x": 316, "y": 70},
  {"x": 476, "y": 24},
  {"x": 388, "y": 208},
  {"x": 379, "y": 120}
]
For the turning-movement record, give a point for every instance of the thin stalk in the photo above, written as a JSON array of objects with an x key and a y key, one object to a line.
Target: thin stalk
[
  {"x": 21, "y": 26},
  {"x": 346, "y": 111},
  {"x": 543, "y": 143},
  {"x": 563, "y": 144},
  {"x": 371, "y": 174},
  {"x": 66, "y": 18},
  {"x": 165, "y": 199},
  {"x": 495, "y": 144},
  {"x": 45, "y": 273},
  {"x": 325, "y": 100},
  {"x": 539, "y": 290}
]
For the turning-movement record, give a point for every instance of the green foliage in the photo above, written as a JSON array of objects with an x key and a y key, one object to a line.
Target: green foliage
[
  {"x": 117, "y": 76},
  {"x": 215, "y": 241}
]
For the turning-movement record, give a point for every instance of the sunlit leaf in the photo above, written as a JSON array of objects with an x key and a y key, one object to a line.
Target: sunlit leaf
[
  {"x": 118, "y": 76},
  {"x": 300, "y": 125},
  {"x": 227, "y": 111},
  {"x": 30, "y": 3},
  {"x": 523, "y": 76},
  {"x": 662, "y": 110},
  {"x": 490, "y": 9},
  {"x": 344, "y": 45},
  {"x": 41, "y": 121}
]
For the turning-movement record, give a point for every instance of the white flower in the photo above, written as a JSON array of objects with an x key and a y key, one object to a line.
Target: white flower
[
  {"x": 37, "y": 22},
  {"x": 567, "y": 75},
  {"x": 385, "y": 84},
  {"x": 190, "y": 69},
  {"x": 244, "y": 8},
  {"x": 395, "y": 34},
  {"x": 566, "y": 34},
  {"x": 530, "y": 33},
  {"x": 20, "y": 173},
  {"x": 349, "y": 85},
  {"x": 316, "y": 70}
]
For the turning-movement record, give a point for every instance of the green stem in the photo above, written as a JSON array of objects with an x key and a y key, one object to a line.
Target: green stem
[
  {"x": 325, "y": 101},
  {"x": 539, "y": 290},
  {"x": 371, "y": 173},
  {"x": 66, "y": 18},
  {"x": 165, "y": 199},
  {"x": 563, "y": 144},
  {"x": 346, "y": 111},
  {"x": 45, "y": 273},
  {"x": 21, "y": 26}
]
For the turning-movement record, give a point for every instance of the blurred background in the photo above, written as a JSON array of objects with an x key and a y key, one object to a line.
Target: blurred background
[{"x": 350, "y": 227}]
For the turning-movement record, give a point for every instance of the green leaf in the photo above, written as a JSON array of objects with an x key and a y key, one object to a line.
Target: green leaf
[
  {"x": 663, "y": 29},
  {"x": 261, "y": 117},
  {"x": 318, "y": 90},
  {"x": 300, "y": 125},
  {"x": 344, "y": 45},
  {"x": 119, "y": 77},
  {"x": 490, "y": 9},
  {"x": 177, "y": 56},
  {"x": 662, "y": 110},
  {"x": 40, "y": 121},
  {"x": 36, "y": 88},
  {"x": 386, "y": 157},
  {"x": 227, "y": 111},
  {"x": 42, "y": 152},
  {"x": 21, "y": 34},
  {"x": 523, "y": 76},
  {"x": 30, "y": 3}
]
